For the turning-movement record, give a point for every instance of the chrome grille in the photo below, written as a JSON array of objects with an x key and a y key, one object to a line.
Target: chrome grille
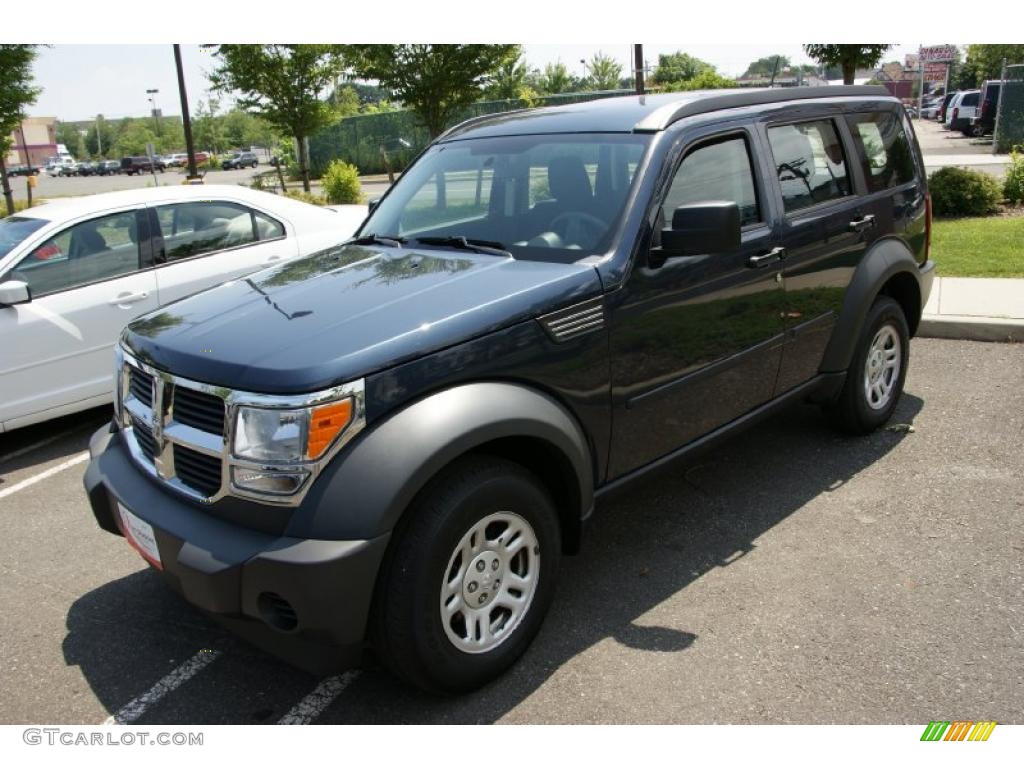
[
  {"x": 140, "y": 384},
  {"x": 199, "y": 410},
  {"x": 198, "y": 470},
  {"x": 145, "y": 438},
  {"x": 179, "y": 430}
]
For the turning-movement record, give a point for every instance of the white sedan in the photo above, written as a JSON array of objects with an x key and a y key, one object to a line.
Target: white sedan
[{"x": 74, "y": 272}]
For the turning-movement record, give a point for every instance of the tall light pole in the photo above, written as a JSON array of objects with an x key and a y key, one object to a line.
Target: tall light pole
[
  {"x": 638, "y": 68},
  {"x": 152, "y": 92}
]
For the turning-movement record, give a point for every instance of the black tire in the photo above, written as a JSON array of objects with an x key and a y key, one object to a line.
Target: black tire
[
  {"x": 852, "y": 411},
  {"x": 406, "y": 628}
]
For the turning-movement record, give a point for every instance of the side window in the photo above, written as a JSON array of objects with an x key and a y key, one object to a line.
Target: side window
[
  {"x": 268, "y": 228},
  {"x": 716, "y": 171},
  {"x": 94, "y": 250},
  {"x": 884, "y": 149},
  {"x": 191, "y": 229},
  {"x": 809, "y": 162}
]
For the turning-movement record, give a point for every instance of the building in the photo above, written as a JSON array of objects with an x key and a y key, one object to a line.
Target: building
[{"x": 38, "y": 137}]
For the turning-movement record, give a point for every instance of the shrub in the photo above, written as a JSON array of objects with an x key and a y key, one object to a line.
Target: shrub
[
  {"x": 1013, "y": 186},
  {"x": 962, "y": 192},
  {"x": 306, "y": 197},
  {"x": 19, "y": 205},
  {"x": 341, "y": 183}
]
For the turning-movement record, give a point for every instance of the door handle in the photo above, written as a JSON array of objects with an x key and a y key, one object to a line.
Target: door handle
[
  {"x": 859, "y": 225},
  {"x": 764, "y": 259},
  {"x": 128, "y": 298}
]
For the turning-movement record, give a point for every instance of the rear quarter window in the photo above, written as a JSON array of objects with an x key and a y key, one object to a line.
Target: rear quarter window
[{"x": 883, "y": 148}]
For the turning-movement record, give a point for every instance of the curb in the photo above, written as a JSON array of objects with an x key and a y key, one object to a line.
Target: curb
[{"x": 967, "y": 328}]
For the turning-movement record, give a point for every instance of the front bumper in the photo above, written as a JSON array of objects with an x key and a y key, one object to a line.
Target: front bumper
[{"x": 305, "y": 600}]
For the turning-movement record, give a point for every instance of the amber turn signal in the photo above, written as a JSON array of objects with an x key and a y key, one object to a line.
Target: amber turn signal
[{"x": 325, "y": 423}]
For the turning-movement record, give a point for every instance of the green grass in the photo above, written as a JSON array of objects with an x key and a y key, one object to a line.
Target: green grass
[{"x": 982, "y": 247}]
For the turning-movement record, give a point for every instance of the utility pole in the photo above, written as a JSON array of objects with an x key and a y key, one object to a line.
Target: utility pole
[
  {"x": 29, "y": 178},
  {"x": 152, "y": 103},
  {"x": 185, "y": 118},
  {"x": 638, "y": 66},
  {"x": 99, "y": 135}
]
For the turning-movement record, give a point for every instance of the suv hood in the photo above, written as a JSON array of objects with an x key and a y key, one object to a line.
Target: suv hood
[{"x": 347, "y": 312}]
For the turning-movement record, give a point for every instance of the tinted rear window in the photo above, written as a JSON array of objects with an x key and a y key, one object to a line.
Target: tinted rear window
[
  {"x": 970, "y": 100},
  {"x": 884, "y": 149}
]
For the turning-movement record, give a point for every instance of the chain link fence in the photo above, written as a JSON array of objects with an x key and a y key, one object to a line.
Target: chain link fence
[
  {"x": 1009, "y": 128},
  {"x": 360, "y": 139}
]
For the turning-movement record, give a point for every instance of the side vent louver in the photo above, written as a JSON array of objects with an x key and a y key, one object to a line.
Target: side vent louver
[{"x": 574, "y": 321}]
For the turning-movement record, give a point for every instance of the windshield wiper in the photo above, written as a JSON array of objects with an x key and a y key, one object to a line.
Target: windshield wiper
[
  {"x": 393, "y": 241},
  {"x": 467, "y": 244}
]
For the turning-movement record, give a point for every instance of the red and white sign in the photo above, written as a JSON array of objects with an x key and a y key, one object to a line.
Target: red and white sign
[
  {"x": 929, "y": 53},
  {"x": 935, "y": 73}
]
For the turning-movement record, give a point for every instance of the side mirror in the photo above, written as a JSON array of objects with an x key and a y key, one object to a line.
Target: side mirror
[
  {"x": 372, "y": 206},
  {"x": 700, "y": 228},
  {"x": 14, "y": 292}
]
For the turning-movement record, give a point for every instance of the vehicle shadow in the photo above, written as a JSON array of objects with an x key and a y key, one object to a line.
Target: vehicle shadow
[
  {"x": 640, "y": 550},
  {"x": 57, "y": 438}
]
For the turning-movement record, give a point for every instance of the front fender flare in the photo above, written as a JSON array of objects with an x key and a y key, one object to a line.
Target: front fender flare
[
  {"x": 886, "y": 258},
  {"x": 371, "y": 483}
]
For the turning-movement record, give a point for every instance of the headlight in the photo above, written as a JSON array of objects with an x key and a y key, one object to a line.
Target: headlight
[{"x": 289, "y": 436}]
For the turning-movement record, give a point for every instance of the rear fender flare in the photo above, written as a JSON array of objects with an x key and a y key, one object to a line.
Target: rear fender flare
[{"x": 885, "y": 259}]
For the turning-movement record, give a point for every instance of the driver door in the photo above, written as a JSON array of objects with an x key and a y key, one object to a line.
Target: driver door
[
  {"x": 696, "y": 341},
  {"x": 86, "y": 285}
]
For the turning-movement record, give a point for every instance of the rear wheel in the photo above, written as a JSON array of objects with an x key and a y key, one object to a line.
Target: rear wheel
[
  {"x": 874, "y": 380},
  {"x": 468, "y": 578}
]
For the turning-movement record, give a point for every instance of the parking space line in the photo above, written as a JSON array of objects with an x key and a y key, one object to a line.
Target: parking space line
[
  {"x": 319, "y": 699},
  {"x": 135, "y": 708},
  {"x": 34, "y": 446},
  {"x": 43, "y": 475}
]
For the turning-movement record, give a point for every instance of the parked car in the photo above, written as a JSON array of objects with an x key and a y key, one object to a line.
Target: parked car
[
  {"x": 240, "y": 160},
  {"x": 984, "y": 122},
  {"x": 395, "y": 441},
  {"x": 961, "y": 110},
  {"x": 23, "y": 170},
  {"x": 74, "y": 271},
  {"x": 86, "y": 168},
  {"x": 141, "y": 164},
  {"x": 929, "y": 108},
  {"x": 108, "y": 168},
  {"x": 947, "y": 99},
  {"x": 177, "y": 160},
  {"x": 201, "y": 157}
]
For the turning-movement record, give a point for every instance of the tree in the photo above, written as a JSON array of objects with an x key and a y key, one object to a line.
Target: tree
[
  {"x": 16, "y": 93},
  {"x": 849, "y": 58},
  {"x": 985, "y": 62},
  {"x": 100, "y": 138},
  {"x": 767, "y": 65},
  {"x": 434, "y": 81},
  {"x": 604, "y": 72},
  {"x": 511, "y": 80},
  {"x": 71, "y": 137},
  {"x": 207, "y": 126},
  {"x": 556, "y": 79},
  {"x": 677, "y": 67},
  {"x": 704, "y": 80},
  {"x": 133, "y": 135},
  {"x": 283, "y": 85}
]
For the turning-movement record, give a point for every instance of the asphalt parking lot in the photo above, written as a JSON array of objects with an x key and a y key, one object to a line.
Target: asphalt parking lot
[{"x": 791, "y": 576}]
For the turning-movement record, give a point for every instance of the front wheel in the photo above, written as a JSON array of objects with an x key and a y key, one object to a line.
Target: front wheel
[
  {"x": 468, "y": 578},
  {"x": 874, "y": 380}
]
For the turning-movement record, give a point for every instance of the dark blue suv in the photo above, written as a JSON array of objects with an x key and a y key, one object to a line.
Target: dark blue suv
[{"x": 392, "y": 443}]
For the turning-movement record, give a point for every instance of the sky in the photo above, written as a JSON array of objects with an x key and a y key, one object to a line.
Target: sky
[{"x": 81, "y": 81}]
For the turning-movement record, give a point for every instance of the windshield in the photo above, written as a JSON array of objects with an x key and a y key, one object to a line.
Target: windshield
[
  {"x": 544, "y": 197},
  {"x": 14, "y": 229}
]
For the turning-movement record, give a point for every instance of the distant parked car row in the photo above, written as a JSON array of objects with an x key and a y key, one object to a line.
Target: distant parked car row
[
  {"x": 133, "y": 165},
  {"x": 23, "y": 170},
  {"x": 972, "y": 112}
]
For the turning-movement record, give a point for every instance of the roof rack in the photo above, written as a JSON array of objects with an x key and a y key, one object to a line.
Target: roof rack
[{"x": 661, "y": 118}]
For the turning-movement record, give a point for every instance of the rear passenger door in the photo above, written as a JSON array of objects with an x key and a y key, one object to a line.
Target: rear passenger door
[
  {"x": 203, "y": 243},
  {"x": 823, "y": 228}
]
